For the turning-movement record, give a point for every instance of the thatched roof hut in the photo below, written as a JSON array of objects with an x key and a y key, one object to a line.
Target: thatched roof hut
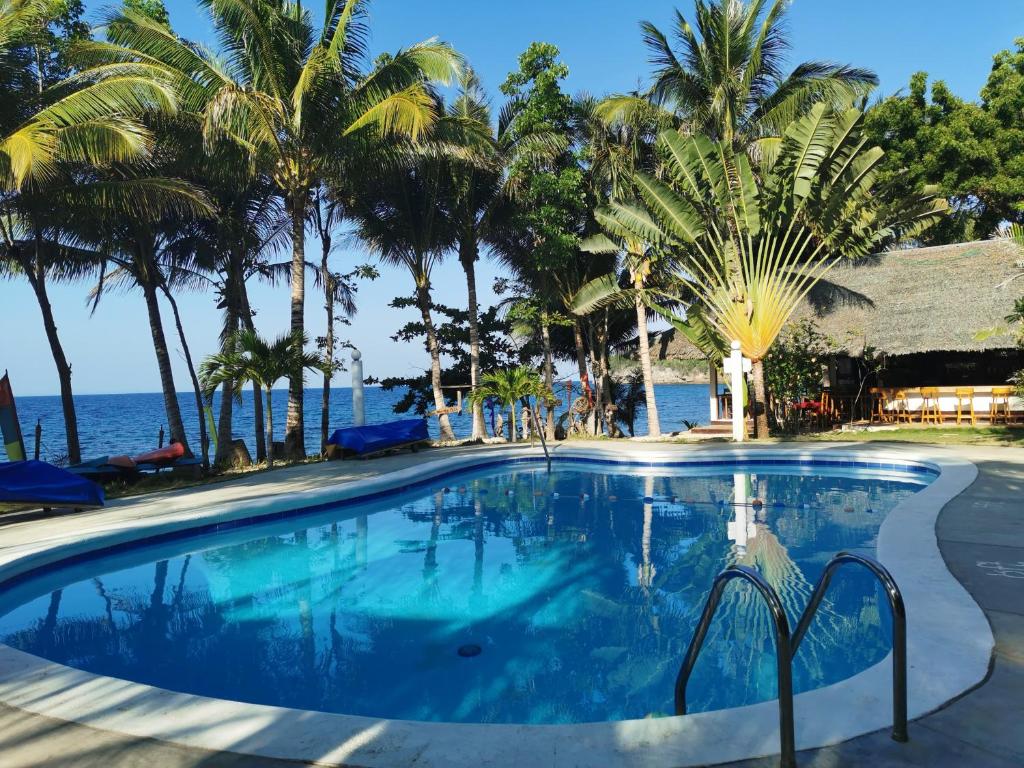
[
  {"x": 909, "y": 301},
  {"x": 924, "y": 300}
]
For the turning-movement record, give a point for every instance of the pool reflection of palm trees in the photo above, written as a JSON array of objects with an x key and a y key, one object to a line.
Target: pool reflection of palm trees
[{"x": 543, "y": 578}]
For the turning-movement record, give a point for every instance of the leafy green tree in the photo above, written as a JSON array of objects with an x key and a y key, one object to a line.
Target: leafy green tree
[
  {"x": 509, "y": 386},
  {"x": 794, "y": 369},
  {"x": 496, "y": 350},
  {"x": 295, "y": 94},
  {"x": 480, "y": 194},
  {"x": 971, "y": 151},
  {"x": 250, "y": 358},
  {"x": 542, "y": 237}
]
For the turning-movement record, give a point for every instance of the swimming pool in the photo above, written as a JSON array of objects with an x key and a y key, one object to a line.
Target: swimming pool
[{"x": 500, "y": 594}]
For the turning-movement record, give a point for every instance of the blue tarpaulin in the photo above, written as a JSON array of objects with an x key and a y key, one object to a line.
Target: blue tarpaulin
[
  {"x": 36, "y": 482},
  {"x": 380, "y": 437}
]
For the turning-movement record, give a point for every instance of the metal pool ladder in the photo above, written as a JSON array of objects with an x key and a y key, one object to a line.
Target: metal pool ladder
[{"x": 787, "y": 643}]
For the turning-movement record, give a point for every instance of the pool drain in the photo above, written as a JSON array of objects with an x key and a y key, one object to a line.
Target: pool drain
[{"x": 469, "y": 651}]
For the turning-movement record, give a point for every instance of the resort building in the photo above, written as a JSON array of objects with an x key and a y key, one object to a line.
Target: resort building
[{"x": 937, "y": 315}]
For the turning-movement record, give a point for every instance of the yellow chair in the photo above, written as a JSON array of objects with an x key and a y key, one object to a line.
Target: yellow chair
[
  {"x": 965, "y": 399},
  {"x": 931, "y": 406},
  {"x": 901, "y": 407},
  {"x": 999, "y": 408},
  {"x": 879, "y": 400}
]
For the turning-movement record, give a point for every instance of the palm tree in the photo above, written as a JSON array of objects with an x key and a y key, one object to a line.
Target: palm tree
[
  {"x": 292, "y": 92},
  {"x": 639, "y": 261},
  {"x": 481, "y": 192},
  {"x": 752, "y": 248},
  {"x": 473, "y": 191},
  {"x": 46, "y": 129},
  {"x": 402, "y": 221},
  {"x": 509, "y": 387},
  {"x": 723, "y": 76},
  {"x": 249, "y": 358},
  {"x": 249, "y": 227},
  {"x": 619, "y": 145},
  {"x": 141, "y": 230}
]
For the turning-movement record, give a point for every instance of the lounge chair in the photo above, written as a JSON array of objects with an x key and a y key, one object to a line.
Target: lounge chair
[
  {"x": 377, "y": 439},
  {"x": 36, "y": 482},
  {"x": 129, "y": 469}
]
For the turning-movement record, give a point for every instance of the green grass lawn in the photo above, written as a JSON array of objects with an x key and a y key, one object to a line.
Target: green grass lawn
[{"x": 932, "y": 435}]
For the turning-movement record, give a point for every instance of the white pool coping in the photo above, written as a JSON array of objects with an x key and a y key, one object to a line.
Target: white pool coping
[{"x": 949, "y": 648}]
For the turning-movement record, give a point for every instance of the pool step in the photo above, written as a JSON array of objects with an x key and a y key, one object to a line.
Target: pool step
[{"x": 718, "y": 428}]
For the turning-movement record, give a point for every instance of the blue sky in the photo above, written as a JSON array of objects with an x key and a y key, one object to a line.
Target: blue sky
[{"x": 111, "y": 351}]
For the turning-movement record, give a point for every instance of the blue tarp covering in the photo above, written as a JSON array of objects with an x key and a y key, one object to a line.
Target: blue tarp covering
[
  {"x": 380, "y": 437},
  {"x": 36, "y": 482}
]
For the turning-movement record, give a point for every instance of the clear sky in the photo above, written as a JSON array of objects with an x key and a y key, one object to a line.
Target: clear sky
[{"x": 111, "y": 351}]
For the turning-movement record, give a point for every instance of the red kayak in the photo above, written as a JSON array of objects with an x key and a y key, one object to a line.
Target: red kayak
[{"x": 167, "y": 455}]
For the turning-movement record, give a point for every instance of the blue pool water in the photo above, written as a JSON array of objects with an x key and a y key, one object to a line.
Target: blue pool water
[{"x": 582, "y": 604}]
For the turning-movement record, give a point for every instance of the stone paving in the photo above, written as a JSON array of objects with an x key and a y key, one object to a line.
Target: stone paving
[{"x": 981, "y": 536}]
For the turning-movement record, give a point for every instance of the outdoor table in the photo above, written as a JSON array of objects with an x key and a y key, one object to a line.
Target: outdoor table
[{"x": 947, "y": 400}]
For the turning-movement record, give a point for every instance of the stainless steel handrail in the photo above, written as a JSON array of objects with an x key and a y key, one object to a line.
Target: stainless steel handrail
[
  {"x": 783, "y": 652},
  {"x": 786, "y": 644},
  {"x": 899, "y": 629}
]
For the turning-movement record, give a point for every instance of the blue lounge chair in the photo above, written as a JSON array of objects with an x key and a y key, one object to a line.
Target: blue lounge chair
[
  {"x": 379, "y": 438},
  {"x": 36, "y": 482}
]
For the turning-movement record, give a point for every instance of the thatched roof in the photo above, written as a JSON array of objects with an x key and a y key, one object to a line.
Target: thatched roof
[
  {"x": 924, "y": 300},
  {"x": 909, "y": 301}
]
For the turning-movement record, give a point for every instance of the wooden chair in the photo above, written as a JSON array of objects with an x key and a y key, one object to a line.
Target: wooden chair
[
  {"x": 965, "y": 399},
  {"x": 879, "y": 399},
  {"x": 999, "y": 408},
  {"x": 901, "y": 407},
  {"x": 931, "y": 406}
]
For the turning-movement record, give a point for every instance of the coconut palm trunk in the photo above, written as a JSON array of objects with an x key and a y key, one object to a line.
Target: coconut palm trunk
[
  {"x": 294, "y": 437},
  {"x": 227, "y": 395},
  {"x": 423, "y": 301},
  {"x": 224, "y": 423},
  {"x": 204, "y": 438},
  {"x": 257, "y": 399},
  {"x": 37, "y": 279},
  {"x": 270, "y": 422},
  {"x": 468, "y": 254},
  {"x": 549, "y": 380},
  {"x": 653, "y": 423},
  {"x": 325, "y": 400},
  {"x": 163, "y": 361},
  {"x": 581, "y": 355}
]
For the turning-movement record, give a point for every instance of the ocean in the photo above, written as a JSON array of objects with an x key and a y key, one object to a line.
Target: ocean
[{"x": 130, "y": 423}]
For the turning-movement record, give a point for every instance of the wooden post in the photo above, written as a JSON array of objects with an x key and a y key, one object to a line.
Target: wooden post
[
  {"x": 160, "y": 440},
  {"x": 39, "y": 437}
]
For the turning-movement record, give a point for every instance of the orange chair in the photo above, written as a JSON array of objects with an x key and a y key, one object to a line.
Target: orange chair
[
  {"x": 901, "y": 407},
  {"x": 965, "y": 405},
  {"x": 931, "y": 406},
  {"x": 879, "y": 400},
  {"x": 999, "y": 408}
]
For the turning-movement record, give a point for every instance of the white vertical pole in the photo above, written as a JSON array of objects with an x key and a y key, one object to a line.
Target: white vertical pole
[
  {"x": 738, "y": 418},
  {"x": 713, "y": 389},
  {"x": 358, "y": 401}
]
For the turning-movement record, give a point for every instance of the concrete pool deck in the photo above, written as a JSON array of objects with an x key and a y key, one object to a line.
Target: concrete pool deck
[{"x": 981, "y": 550}]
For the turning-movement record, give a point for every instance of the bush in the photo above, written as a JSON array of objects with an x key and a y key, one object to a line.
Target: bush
[{"x": 795, "y": 370}]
